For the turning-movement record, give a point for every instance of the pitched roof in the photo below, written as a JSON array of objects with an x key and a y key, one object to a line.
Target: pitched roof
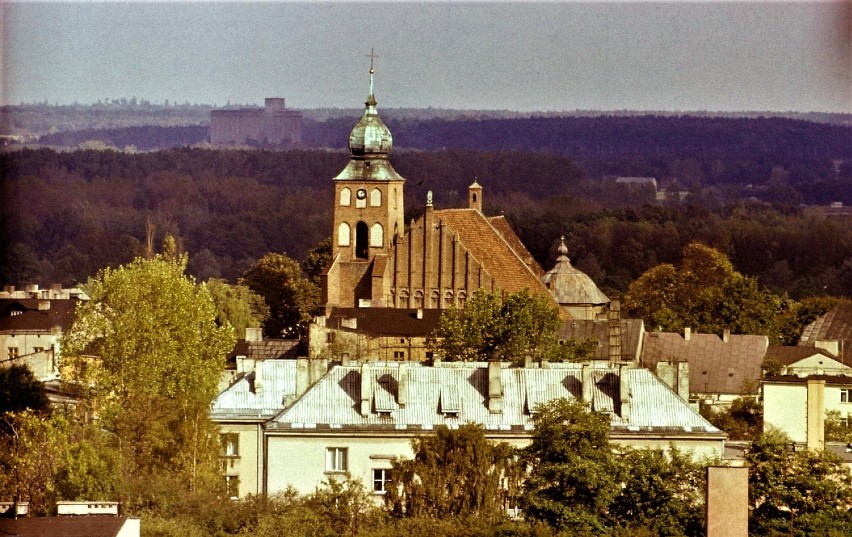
[
  {"x": 30, "y": 317},
  {"x": 387, "y": 321},
  {"x": 715, "y": 366},
  {"x": 570, "y": 285},
  {"x": 631, "y": 335},
  {"x": 488, "y": 246},
  {"x": 241, "y": 400},
  {"x": 457, "y": 393},
  {"x": 787, "y": 355},
  {"x": 502, "y": 226},
  {"x": 63, "y": 526},
  {"x": 834, "y": 325}
]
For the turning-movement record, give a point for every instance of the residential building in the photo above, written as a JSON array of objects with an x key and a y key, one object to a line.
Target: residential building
[
  {"x": 271, "y": 125},
  {"x": 832, "y": 332},
  {"x": 803, "y": 361},
  {"x": 798, "y": 405}
]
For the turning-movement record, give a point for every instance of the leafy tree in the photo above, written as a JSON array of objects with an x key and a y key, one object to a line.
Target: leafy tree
[
  {"x": 706, "y": 294},
  {"x": 837, "y": 430},
  {"x": 148, "y": 345},
  {"x": 343, "y": 504},
  {"x": 573, "y": 476},
  {"x": 513, "y": 325},
  {"x": 317, "y": 260},
  {"x": 661, "y": 492},
  {"x": 237, "y": 305},
  {"x": 800, "y": 492},
  {"x": 291, "y": 297},
  {"x": 743, "y": 420},
  {"x": 455, "y": 472},
  {"x": 20, "y": 390}
]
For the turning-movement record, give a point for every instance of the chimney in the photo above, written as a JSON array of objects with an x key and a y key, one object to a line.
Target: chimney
[
  {"x": 495, "y": 388},
  {"x": 687, "y": 333},
  {"x": 241, "y": 367},
  {"x": 254, "y": 334},
  {"x": 624, "y": 391},
  {"x": 366, "y": 390},
  {"x": 816, "y": 415},
  {"x": 683, "y": 380},
  {"x": 9, "y": 289},
  {"x": 726, "y": 335},
  {"x": 56, "y": 287},
  {"x": 587, "y": 386},
  {"x": 402, "y": 386},
  {"x": 614, "y": 331},
  {"x": 474, "y": 196},
  {"x": 419, "y": 314},
  {"x": 528, "y": 361},
  {"x": 31, "y": 288},
  {"x": 258, "y": 377},
  {"x": 303, "y": 376}
]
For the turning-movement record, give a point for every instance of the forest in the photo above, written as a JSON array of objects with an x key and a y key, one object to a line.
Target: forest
[{"x": 65, "y": 215}]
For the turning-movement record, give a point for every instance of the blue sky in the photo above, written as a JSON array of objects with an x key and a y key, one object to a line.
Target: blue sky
[{"x": 517, "y": 56}]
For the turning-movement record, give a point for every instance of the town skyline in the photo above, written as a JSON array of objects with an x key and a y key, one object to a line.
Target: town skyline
[{"x": 683, "y": 56}]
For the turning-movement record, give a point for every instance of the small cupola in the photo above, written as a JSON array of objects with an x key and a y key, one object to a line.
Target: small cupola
[{"x": 474, "y": 196}]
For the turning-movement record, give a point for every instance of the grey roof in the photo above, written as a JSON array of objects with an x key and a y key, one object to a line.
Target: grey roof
[
  {"x": 631, "y": 335},
  {"x": 457, "y": 393},
  {"x": 788, "y": 355},
  {"x": 836, "y": 325},
  {"x": 241, "y": 400},
  {"x": 571, "y": 286}
]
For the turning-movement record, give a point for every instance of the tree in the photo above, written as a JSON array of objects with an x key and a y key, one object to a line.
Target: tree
[
  {"x": 743, "y": 420},
  {"x": 791, "y": 490},
  {"x": 343, "y": 504},
  {"x": 455, "y": 472},
  {"x": 20, "y": 390},
  {"x": 148, "y": 345},
  {"x": 291, "y": 297},
  {"x": 317, "y": 260},
  {"x": 237, "y": 305},
  {"x": 573, "y": 476},
  {"x": 512, "y": 326},
  {"x": 706, "y": 294}
]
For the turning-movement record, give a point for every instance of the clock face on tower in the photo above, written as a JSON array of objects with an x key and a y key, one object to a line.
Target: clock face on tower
[{"x": 361, "y": 194}]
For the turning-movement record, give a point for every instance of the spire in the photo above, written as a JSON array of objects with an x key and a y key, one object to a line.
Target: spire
[
  {"x": 371, "y": 99},
  {"x": 563, "y": 251}
]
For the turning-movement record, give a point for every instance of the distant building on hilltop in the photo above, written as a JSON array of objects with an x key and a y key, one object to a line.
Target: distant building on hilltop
[{"x": 270, "y": 125}]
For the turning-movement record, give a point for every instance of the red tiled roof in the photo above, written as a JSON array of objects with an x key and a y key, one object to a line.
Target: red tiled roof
[
  {"x": 715, "y": 366},
  {"x": 65, "y": 526},
  {"x": 502, "y": 226},
  {"x": 493, "y": 251}
]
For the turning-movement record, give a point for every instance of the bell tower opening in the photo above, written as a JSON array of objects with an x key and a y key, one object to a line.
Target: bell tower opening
[{"x": 362, "y": 241}]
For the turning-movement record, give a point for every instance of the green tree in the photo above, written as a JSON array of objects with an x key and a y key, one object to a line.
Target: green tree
[
  {"x": 237, "y": 305},
  {"x": 573, "y": 476},
  {"x": 455, "y": 472},
  {"x": 706, "y": 294},
  {"x": 20, "y": 390},
  {"x": 837, "y": 430},
  {"x": 801, "y": 492},
  {"x": 743, "y": 420},
  {"x": 343, "y": 504},
  {"x": 148, "y": 345},
  {"x": 317, "y": 260},
  {"x": 512, "y": 325},
  {"x": 292, "y": 298}
]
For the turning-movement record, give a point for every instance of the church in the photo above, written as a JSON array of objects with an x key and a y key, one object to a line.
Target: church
[{"x": 397, "y": 276}]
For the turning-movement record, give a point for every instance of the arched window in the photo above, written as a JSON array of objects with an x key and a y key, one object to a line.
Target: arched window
[
  {"x": 403, "y": 298},
  {"x": 462, "y": 298},
  {"x": 343, "y": 232},
  {"x": 377, "y": 235},
  {"x": 418, "y": 299},
  {"x": 434, "y": 299},
  {"x": 395, "y": 200},
  {"x": 345, "y": 197},
  {"x": 361, "y": 240},
  {"x": 448, "y": 299},
  {"x": 376, "y": 198}
]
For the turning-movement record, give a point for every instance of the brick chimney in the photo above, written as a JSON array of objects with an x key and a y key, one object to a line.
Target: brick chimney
[
  {"x": 366, "y": 390},
  {"x": 687, "y": 333},
  {"x": 816, "y": 415},
  {"x": 495, "y": 388}
]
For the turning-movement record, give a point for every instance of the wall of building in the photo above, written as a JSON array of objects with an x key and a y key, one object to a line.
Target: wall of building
[
  {"x": 248, "y": 464},
  {"x": 38, "y": 351}
]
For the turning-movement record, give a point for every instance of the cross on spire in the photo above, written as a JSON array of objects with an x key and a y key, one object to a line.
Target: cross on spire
[{"x": 372, "y": 55}]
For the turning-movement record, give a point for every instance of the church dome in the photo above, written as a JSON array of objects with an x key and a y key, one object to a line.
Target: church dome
[
  {"x": 571, "y": 286},
  {"x": 370, "y": 136}
]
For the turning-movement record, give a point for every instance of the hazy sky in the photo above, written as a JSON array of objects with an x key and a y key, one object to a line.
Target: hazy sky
[{"x": 516, "y": 56}]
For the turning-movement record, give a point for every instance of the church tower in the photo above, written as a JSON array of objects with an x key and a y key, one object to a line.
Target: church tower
[{"x": 368, "y": 211}]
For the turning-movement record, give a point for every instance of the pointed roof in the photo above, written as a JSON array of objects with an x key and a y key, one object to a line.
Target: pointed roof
[
  {"x": 569, "y": 285},
  {"x": 370, "y": 142}
]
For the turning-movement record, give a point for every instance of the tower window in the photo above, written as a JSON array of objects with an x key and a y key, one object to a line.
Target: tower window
[
  {"x": 361, "y": 240},
  {"x": 345, "y": 197},
  {"x": 377, "y": 235},
  {"x": 343, "y": 234},
  {"x": 376, "y": 198}
]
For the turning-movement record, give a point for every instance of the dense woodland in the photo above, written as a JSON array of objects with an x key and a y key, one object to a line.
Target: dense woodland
[{"x": 68, "y": 214}]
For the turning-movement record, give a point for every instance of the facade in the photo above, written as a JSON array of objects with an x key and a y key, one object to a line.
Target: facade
[
  {"x": 270, "y": 125},
  {"x": 804, "y": 361},
  {"x": 31, "y": 326},
  {"x": 720, "y": 368},
  {"x": 797, "y": 406}
]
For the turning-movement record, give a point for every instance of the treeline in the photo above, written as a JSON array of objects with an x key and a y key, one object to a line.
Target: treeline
[
  {"x": 65, "y": 215},
  {"x": 141, "y": 138}
]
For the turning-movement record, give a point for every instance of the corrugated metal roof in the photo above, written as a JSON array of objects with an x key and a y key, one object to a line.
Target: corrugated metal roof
[
  {"x": 241, "y": 399},
  {"x": 836, "y": 325},
  {"x": 430, "y": 399},
  {"x": 715, "y": 366}
]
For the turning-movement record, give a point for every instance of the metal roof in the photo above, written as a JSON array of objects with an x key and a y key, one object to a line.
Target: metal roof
[
  {"x": 631, "y": 335},
  {"x": 242, "y": 400},
  {"x": 457, "y": 393}
]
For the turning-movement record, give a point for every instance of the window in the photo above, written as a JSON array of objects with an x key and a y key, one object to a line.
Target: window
[
  {"x": 399, "y": 355},
  {"x": 13, "y": 353},
  {"x": 15, "y": 312},
  {"x": 230, "y": 443},
  {"x": 361, "y": 240},
  {"x": 381, "y": 480},
  {"x": 329, "y": 337},
  {"x": 343, "y": 234},
  {"x": 232, "y": 486},
  {"x": 335, "y": 459},
  {"x": 845, "y": 394},
  {"x": 375, "y": 198},
  {"x": 377, "y": 235},
  {"x": 38, "y": 349},
  {"x": 345, "y": 197}
]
